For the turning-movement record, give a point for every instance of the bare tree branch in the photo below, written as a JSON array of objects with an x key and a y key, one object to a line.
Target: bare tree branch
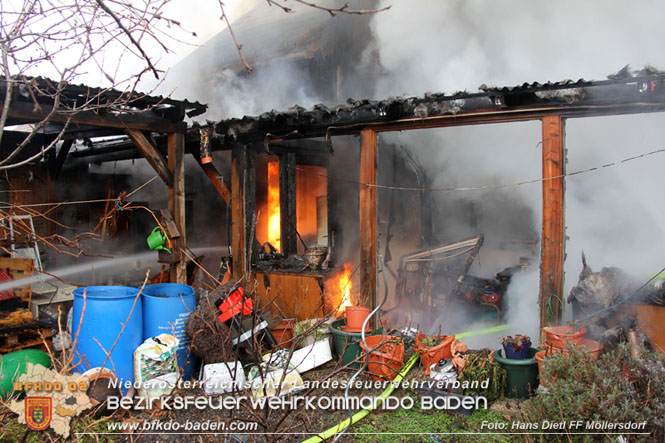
[{"x": 129, "y": 35}]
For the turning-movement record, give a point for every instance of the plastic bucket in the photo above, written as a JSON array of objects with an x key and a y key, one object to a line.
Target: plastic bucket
[
  {"x": 521, "y": 375},
  {"x": 166, "y": 307},
  {"x": 14, "y": 365},
  {"x": 347, "y": 345},
  {"x": 106, "y": 310}
]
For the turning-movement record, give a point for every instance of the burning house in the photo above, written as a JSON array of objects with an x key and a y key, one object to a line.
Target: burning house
[
  {"x": 248, "y": 241},
  {"x": 275, "y": 141}
]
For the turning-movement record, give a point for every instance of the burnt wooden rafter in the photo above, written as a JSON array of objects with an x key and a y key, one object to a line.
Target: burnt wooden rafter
[
  {"x": 141, "y": 121},
  {"x": 492, "y": 105}
]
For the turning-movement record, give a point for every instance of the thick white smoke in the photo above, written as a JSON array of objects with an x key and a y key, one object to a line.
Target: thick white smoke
[
  {"x": 420, "y": 46},
  {"x": 458, "y": 45}
]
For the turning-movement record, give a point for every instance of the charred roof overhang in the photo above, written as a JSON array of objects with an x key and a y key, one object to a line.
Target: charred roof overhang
[
  {"x": 33, "y": 100},
  {"x": 580, "y": 98}
]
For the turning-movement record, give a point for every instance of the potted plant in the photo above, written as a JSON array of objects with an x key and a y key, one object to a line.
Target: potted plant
[{"x": 517, "y": 347}]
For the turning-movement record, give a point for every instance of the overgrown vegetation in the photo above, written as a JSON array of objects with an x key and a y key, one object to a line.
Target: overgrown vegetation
[
  {"x": 617, "y": 389},
  {"x": 417, "y": 425},
  {"x": 479, "y": 368}
]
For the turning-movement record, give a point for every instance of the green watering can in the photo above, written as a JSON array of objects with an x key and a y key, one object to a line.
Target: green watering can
[{"x": 157, "y": 240}]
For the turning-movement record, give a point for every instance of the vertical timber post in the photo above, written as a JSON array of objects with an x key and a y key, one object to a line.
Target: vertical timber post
[
  {"x": 287, "y": 203},
  {"x": 553, "y": 235},
  {"x": 238, "y": 244},
  {"x": 368, "y": 216},
  {"x": 176, "y": 163}
]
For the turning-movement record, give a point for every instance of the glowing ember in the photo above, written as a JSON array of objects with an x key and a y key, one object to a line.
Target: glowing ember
[
  {"x": 345, "y": 286},
  {"x": 274, "y": 232}
]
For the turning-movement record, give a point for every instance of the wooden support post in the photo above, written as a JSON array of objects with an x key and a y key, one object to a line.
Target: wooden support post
[
  {"x": 176, "y": 164},
  {"x": 238, "y": 244},
  {"x": 368, "y": 216},
  {"x": 553, "y": 236},
  {"x": 249, "y": 201},
  {"x": 154, "y": 157},
  {"x": 287, "y": 203}
]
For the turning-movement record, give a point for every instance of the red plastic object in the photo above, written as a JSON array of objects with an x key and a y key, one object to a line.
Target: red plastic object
[
  {"x": 233, "y": 304},
  {"x": 384, "y": 362},
  {"x": 434, "y": 354},
  {"x": 5, "y": 277}
]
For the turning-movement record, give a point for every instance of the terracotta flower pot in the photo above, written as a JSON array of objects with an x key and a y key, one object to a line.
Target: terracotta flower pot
[
  {"x": 283, "y": 333},
  {"x": 540, "y": 355},
  {"x": 355, "y": 317},
  {"x": 385, "y": 357},
  {"x": 556, "y": 336},
  {"x": 433, "y": 354}
]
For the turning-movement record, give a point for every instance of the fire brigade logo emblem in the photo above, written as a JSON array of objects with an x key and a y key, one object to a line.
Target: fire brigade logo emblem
[{"x": 38, "y": 412}]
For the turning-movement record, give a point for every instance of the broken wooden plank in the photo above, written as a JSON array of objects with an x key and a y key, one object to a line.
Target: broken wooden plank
[
  {"x": 368, "y": 216},
  {"x": 166, "y": 219},
  {"x": 176, "y": 164},
  {"x": 154, "y": 157},
  {"x": 553, "y": 235}
]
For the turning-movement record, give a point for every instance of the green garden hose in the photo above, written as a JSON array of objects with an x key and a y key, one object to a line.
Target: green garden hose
[
  {"x": 365, "y": 412},
  {"x": 389, "y": 390}
]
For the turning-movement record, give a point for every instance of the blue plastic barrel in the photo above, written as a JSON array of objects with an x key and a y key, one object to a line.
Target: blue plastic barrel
[
  {"x": 106, "y": 310},
  {"x": 166, "y": 307}
]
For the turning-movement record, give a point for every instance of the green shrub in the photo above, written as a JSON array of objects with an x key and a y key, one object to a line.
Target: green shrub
[{"x": 617, "y": 388}]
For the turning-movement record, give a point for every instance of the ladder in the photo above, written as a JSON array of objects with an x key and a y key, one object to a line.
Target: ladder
[{"x": 29, "y": 252}]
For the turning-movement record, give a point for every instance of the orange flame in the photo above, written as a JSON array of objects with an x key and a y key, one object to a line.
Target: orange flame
[
  {"x": 274, "y": 231},
  {"x": 345, "y": 286}
]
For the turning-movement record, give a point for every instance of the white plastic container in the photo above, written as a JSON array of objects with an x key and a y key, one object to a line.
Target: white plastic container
[
  {"x": 312, "y": 356},
  {"x": 270, "y": 384},
  {"x": 218, "y": 377}
]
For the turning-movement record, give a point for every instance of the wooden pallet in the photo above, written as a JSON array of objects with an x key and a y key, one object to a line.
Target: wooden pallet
[{"x": 26, "y": 338}]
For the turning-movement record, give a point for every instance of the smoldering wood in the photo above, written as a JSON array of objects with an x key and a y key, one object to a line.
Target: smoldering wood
[
  {"x": 287, "y": 200},
  {"x": 525, "y": 102}
]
